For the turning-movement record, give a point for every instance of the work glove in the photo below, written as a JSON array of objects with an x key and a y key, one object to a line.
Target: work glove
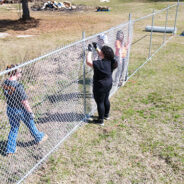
[
  {"x": 90, "y": 48},
  {"x": 95, "y": 45}
]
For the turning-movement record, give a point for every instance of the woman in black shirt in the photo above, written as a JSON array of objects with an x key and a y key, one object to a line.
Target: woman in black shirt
[{"x": 102, "y": 78}]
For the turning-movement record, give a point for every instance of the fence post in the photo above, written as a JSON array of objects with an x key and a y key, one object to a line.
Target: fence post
[
  {"x": 125, "y": 77},
  {"x": 150, "y": 46},
  {"x": 166, "y": 21},
  {"x": 176, "y": 16},
  {"x": 84, "y": 73}
]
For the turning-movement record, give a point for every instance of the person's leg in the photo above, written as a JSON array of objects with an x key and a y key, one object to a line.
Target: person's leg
[
  {"x": 14, "y": 121},
  {"x": 126, "y": 70},
  {"x": 121, "y": 78},
  {"x": 99, "y": 98},
  {"x": 29, "y": 122},
  {"x": 107, "y": 105},
  {"x": 118, "y": 70}
]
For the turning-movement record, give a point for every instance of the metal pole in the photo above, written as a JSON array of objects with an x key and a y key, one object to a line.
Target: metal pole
[
  {"x": 176, "y": 16},
  {"x": 84, "y": 72},
  {"x": 150, "y": 46},
  {"x": 129, "y": 28},
  {"x": 125, "y": 75},
  {"x": 166, "y": 21}
]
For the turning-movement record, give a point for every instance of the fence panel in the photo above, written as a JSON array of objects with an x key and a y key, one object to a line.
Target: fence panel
[
  {"x": 146, "y": 44},
  {"x": 55, "y": 92}
]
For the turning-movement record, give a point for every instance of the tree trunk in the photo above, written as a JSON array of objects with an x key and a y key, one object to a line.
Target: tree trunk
[{"x": 25, "y": 8}]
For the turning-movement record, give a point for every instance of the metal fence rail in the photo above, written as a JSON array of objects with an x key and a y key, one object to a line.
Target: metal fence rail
[{"x": 59, "y": 89}]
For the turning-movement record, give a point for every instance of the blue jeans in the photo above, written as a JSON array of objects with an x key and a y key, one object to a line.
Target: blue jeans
[{"x": 15, "y": 115}]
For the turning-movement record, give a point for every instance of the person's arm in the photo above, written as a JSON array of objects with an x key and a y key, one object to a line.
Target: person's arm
[
  {"x": 26, "y": 105},
  {"x": 89, "y": 61},
  {"x": 126, "y": 45},
  {"x": 99, "y": 51},
  {"x": 118, "y": 46},
  {"x": 24, "y": 99}
]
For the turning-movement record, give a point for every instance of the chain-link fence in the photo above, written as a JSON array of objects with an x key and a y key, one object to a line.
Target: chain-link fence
[
  {"x": 58, "y": 87},
  {"x": 147, "y": 43}
]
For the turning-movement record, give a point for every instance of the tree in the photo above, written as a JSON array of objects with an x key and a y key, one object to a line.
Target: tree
[{"x": 25, "y": 8}]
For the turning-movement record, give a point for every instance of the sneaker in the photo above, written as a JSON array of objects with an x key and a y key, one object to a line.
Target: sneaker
[
  {"x": 107, "y": 118},
  {"x": 99, "y": 122},
  {"x": 9, "y": 154},
  {"x": 91, "y": 118},
  {"x": 43, "y": 139}
]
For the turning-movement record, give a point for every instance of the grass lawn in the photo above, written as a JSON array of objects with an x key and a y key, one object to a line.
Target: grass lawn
[{"x": 143, "y": 141}]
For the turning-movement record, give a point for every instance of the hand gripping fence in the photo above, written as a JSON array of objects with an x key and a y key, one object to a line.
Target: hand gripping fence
[{"x": 58, "y": 87}]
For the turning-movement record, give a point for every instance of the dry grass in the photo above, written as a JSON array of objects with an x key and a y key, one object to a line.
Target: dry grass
[
  {"x": 52, "y": 30},
  {"x": 143, "y": 142}
]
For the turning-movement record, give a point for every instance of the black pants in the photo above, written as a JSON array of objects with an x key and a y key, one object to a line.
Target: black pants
[{"x": 102, "y": 101}]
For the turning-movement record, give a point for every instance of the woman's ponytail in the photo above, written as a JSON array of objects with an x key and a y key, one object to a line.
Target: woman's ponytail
[{"x": 114, "y": 64}]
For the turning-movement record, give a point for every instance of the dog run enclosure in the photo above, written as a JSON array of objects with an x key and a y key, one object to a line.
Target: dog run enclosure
[{"x": 59, "y": 87}]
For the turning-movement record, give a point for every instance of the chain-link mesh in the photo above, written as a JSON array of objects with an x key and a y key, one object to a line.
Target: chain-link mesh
[
  {"x": 55, "y": 93},
  {"x": 146, "y": 44},
  {"x": 59, "y": 90}
]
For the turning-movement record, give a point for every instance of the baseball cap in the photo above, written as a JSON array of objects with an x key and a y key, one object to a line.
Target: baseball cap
[{"x": 104, "y": 38}]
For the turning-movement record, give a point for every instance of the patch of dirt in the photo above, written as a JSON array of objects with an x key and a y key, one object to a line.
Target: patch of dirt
[
  {"x": 18, "y": 25},
  {"x": 58, "y": 20}
]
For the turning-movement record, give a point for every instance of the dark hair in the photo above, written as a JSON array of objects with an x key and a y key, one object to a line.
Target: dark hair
[
  {"x": 109, "y": 55},
  {"x": 12, "y": 73},
  {"x": 118, "y": 35}
]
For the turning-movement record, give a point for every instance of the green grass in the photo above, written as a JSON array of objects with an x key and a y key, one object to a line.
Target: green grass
[{"x": 142, "y": 143}]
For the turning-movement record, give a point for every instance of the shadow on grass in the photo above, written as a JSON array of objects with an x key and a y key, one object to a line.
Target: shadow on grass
[
  {"x": 3, "y": 145},
  {"x": 67, "y": 97},
  {"x": 141, "y": 38},
  {"x": 26, "y": 144},
  {"x": 94, "y": 122},
  {"x": 18, "y": 25},
  {"x": 61, "y": 117},
  {"x": 88, "y": 81}
]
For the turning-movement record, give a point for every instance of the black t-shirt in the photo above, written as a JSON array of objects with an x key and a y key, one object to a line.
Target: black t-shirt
[
  {"x": 102, "y": 79},
  {"x": 14, "y": 93}
]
